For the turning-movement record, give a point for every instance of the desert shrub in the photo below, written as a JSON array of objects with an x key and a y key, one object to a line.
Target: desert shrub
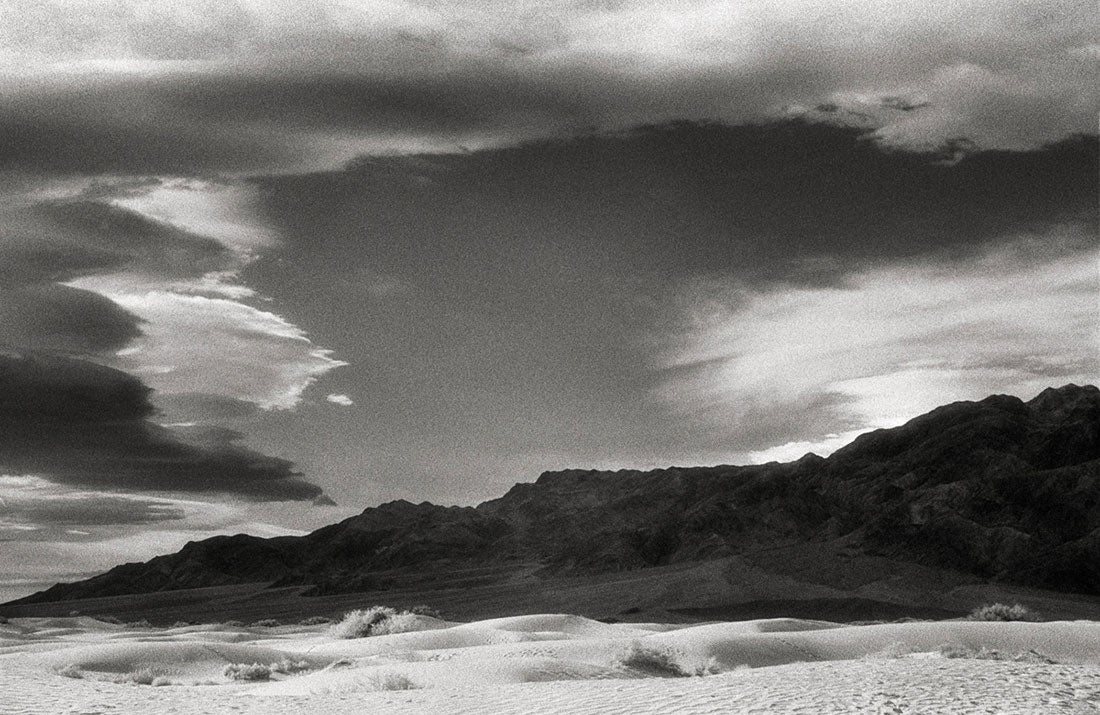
[
  {"x": 138, "y": 624},
  {"x": 391, "y": 680},
  {"x": 1002, "y": 612},
  {"x": 400, "y": 623},
  {"x": 261, "y": 671},
  {"x": 234, "y": 624},
  {"x": 378, "y": 621},
  {"x": 426, "y": 611},
  {"x": 315, "y": 621},
  {"x": 287, "y": 666},
  {"x": 248, "y": 671},
  {"x": 662, "y": 662},
  {"x": 266, "y": 623},
  {"x": 70, "y": 671},
  {"x": 362, "y": 623},
  {"x": 183, "y": 624},
  {"x": 74, "y": 613},
  {"x": 145, "y": 676},
  {"x": 650, "y": 660}
]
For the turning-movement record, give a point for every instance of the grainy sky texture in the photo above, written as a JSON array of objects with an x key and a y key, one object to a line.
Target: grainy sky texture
[{"x": 257, "y": 256}]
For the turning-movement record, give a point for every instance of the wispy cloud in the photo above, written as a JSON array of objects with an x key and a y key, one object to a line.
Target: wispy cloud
[
  {"x": 891, "y": 343},
  {"x": 160, "y": 293}
]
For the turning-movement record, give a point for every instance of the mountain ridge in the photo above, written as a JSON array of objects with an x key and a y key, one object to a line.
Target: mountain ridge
[{"x": 1000, "y": 489}]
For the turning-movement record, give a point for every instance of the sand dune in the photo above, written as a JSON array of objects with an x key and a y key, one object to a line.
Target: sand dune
[{"x": 553, "y": 663}]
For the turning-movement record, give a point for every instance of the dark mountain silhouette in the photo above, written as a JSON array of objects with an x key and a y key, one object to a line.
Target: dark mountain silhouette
[{"x": 998, "y": 490}]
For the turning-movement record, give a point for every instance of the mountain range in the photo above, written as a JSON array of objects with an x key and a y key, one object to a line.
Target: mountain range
[{"x": 998, "y": 491}]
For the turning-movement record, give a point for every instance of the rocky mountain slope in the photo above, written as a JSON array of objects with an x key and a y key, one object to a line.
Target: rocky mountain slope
[{"x": 1000, "y": 490}]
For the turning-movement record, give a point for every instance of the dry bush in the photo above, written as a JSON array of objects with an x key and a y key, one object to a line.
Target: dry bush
[
  {"x": 138, "y": 624},
  {"x": 1002, "y": 612},
  {"x": 379, "y": 621},
  {"x": 262, "y": 671},
  {"x": 400, "y": 623},
  {"x": 250, "y": 672},
  {"x": 362, "y": 623},
  {"x": 651, "y": 661},
  {"x": 392, "y": 680},
  {"x": 287, "y": 666},
  {"x": 145, "y": 676}
]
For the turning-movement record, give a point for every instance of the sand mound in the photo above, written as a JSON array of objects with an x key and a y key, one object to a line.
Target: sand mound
[
  {"x": 187, "y": 661},
  {"x": 373, "y": 676},
  {"x": 562, "y": 624}
]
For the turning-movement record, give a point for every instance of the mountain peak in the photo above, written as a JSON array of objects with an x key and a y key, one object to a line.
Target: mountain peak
[{"x": 1066, "y": 398}]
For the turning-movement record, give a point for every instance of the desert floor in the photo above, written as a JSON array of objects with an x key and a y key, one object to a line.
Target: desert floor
[{"x": 552, "y": 664}]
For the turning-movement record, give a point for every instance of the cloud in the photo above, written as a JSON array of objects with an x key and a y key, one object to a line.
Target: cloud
[
  {"x": 56, "y": 317},
  {"x": 199, "y": 335},
  {"x": 891, "y": 343},
  {"x": 29, "y": 503},
  {"x": 151, "y": 270},
  {"x": 787, "y": 201},
  {"x": 198, "y": 407},
  {"x": 998, "y": 108},
  {"x": 78, "y": 423},
  {"x": 338, "y": 399},
  {"x": 244, "y": 353},
  {"x": 45, "y": 239},
  {"x": 255, "y": 85}
]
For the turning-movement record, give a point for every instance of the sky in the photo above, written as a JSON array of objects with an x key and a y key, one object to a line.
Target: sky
[{"x": 265, "y": 264}]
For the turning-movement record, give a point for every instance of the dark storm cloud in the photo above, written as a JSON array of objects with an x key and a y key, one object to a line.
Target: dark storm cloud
[
  {"x": 49, "y": 316},
  {"x": 235, "y": 122},
  {"x": 78, "y": 423},
  {"x": 489, "y": 97},
  {"x": 62, "y": 240},
  {"x": 77, "y": 136},
  {"x": 777, "y": 202}
]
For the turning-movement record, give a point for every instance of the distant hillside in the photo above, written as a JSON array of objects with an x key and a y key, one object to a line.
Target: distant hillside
[{"x": 997, "y": 490}]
